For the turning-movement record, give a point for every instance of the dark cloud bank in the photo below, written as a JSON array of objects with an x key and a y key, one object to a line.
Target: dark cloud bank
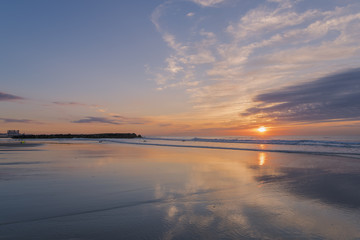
[
  {"x": 8, "y": 97},
  {"x": 334, "y": 97},
  {"x": 69, "y": 104},
  {"x": 116, "y": 120},
  {"x": 96, "y": 120},
  {"x": 11, "y": 120}
]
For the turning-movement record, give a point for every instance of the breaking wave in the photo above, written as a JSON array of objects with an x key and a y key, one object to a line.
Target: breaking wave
[
  {"x": 268, "y": 141},
  {"x": 349, "y": 148}
]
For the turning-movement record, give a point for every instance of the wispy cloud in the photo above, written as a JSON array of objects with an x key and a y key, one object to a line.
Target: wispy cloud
[
  {"x": 9, "y": 97},
  {"x": 131, "y": 120},
  {"x": 179, "y": 70},
  {"x": 208, "y": 3},
  {"x": 70, "y": 103},
  {"x": 12, "y": 120},
  {"x": 276, "y": 43},
  {"x": 115, "y": 119},
  {"x": 334, "y": 97}
]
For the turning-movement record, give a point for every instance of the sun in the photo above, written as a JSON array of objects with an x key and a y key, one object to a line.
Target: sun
[{"x": 262, "y": 129}]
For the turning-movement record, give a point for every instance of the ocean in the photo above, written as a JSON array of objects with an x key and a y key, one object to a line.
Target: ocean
[{"x": 327, "y": 145}]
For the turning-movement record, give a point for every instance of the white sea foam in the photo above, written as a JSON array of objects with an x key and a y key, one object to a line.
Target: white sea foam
[{"x": 304, "y": 142}]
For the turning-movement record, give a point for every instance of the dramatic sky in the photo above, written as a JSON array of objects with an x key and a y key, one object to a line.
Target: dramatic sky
[{"x": 180, "y": 67}]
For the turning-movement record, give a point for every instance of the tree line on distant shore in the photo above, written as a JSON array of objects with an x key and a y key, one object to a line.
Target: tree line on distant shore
[{"x": 101, "y": 135}]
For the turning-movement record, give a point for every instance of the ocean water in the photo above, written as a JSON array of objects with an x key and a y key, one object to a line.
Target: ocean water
[
  {"x": 322, "y": 145},
  {"x": 180, "y": 188}
]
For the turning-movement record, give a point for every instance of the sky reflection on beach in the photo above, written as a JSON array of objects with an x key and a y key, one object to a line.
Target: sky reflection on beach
[{"x": 112, "y": 191}]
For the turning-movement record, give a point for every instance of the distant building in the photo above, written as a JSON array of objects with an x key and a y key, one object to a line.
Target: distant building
[{"x": 11, "y": 133}]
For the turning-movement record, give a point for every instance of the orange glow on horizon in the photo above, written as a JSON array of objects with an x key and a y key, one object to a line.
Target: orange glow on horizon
[{"x": 261, "y": 129}]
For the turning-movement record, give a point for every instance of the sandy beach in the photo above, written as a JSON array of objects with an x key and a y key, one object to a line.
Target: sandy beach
[{"x": 117, "y": 191}]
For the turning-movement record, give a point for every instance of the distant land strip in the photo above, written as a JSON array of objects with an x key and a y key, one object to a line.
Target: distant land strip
[{"x": 100, "y": 135}]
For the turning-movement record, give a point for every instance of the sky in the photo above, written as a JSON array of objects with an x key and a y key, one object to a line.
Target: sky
[{"x": 180, "y": 67}]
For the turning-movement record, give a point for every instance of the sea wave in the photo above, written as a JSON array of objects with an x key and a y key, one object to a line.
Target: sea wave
[
  {"x": 186, "y": 143},
  {"x": 300, "y": 142}
]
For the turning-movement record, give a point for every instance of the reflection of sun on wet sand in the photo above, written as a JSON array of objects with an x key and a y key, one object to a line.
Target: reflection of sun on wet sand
[{"x": 262, "y": 158}]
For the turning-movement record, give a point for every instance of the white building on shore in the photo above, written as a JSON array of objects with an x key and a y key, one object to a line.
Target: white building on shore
[{"x": 10, "y": 133}]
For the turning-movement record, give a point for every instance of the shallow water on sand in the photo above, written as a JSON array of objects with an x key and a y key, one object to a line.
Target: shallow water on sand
[{"x": 115, "y": 191}]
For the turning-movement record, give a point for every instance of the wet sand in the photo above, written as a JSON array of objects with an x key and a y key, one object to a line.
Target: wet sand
[
  {"x": 7, "y": 145},
  {"x": 117, "y": 191}
]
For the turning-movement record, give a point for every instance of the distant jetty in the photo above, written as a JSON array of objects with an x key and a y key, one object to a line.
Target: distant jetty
[{"x": 101, "y": 135}]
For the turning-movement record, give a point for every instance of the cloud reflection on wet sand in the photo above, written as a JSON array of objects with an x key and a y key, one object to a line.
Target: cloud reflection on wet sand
[{"x": 185, "y": 193}]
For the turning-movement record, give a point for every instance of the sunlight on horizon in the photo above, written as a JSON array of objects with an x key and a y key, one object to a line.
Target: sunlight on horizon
[{"x": 262, "y": 129}]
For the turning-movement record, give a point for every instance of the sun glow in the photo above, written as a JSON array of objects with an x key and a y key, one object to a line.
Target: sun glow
[{"x": 262, "y": 129}]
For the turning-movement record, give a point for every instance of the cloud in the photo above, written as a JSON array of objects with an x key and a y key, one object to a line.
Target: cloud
[
  {"x": 74, "y": 104},
  {"x": 179, "y": 65},
  {"x": 276, "y": 43},
  {"x": 334, "y": 97},
  {"x": 9, "y": 97},
  {"x": 96, "y": 120},
  {"x": 129, "y": 120},
  {"x": 208, "y": 3},
  {"x": 11, "y": 120},
  {"x": 114, "y": 119},
  {"x": 260, "y": 21},
  {"x": 69, "y": 104}
]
